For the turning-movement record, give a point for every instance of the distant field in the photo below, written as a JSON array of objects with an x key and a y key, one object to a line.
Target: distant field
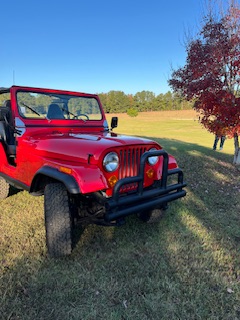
[
  {"x": 173, "y": 114},
  {"x": 180, "y": 125},
  {"x": 186, "y": 267}
]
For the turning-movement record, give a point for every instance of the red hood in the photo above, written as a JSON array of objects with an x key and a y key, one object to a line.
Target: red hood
[{"x": 77, "y": 146}]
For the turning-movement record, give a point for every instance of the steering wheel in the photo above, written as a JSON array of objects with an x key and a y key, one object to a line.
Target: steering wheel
[{"x": 83, "y": 114}]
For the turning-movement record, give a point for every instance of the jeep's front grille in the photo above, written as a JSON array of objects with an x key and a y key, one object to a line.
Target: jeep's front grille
[{"x": 130, "y": 161}]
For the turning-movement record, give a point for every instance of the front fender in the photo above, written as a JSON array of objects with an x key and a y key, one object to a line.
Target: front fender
[
  {"x": 90, "y": 179},
  {"x": 46, "y": 172},
  {"x": 85, "y": 179},
  {"x": 172, "y": 163}
]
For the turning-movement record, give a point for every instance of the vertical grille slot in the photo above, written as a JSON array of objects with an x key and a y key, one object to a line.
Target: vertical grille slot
[{"x": 130, "y": 161}]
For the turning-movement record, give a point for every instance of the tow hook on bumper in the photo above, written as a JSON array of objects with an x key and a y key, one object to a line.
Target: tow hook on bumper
[{"x": 155, "y": 197}]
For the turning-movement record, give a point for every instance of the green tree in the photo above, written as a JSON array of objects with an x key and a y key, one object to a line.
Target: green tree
[
  {"x": 144, "y": 100},
  {"x": 117, "y": 101}
]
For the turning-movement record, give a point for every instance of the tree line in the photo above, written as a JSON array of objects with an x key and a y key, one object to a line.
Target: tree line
[{"x": 119, "y": 102}]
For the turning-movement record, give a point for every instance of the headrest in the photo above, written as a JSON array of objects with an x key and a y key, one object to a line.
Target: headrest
[
  {"x": 4, "y": 112},
  {"x": 7, "y": 104},
  {"x": 54, "y": 112}
]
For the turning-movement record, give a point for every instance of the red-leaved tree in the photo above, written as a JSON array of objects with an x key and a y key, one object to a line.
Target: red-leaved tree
[{"x": 211, "y": 75}]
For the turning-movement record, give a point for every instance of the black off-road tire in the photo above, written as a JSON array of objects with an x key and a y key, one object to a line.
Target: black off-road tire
[
  {"x": 4, "y": 189},
  {"x": 58, "y": 220},
  {"x": 151, "y": 216}
]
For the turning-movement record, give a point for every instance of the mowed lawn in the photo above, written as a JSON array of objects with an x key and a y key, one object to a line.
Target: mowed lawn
[
  {"x": 185, "y": 267},
  {"x": 179, "y": 125}
]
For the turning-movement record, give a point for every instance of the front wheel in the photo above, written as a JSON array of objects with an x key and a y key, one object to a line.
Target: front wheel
[
  {"x": 151, "y": 216},
  {"x": 4, "y": 189},
  {"x": 58, "y": 220}
]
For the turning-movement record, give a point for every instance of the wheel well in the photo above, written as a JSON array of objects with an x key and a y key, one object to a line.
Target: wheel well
[
  {"x": 39, "y": 183},
  {"x": 48, "y": 174}
]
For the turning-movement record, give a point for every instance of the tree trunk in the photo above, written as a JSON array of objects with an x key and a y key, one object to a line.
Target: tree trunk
[{"x": 236, "y": 159}]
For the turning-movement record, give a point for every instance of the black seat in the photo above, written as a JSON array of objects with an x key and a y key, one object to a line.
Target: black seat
[
  {"x": 6, "y": 129},
  {"x": 7, "y": 104},
  {"x": 4, "y": 113},
  {"x": 54, "y": 112}
]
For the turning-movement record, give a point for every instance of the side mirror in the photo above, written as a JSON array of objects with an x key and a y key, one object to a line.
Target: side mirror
[{"x": 114, "y": 122}]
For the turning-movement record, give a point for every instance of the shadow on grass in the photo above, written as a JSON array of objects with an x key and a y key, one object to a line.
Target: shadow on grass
[
  {"x": 185, "y": 267},
  {"x": 13, "y": 191},
  {"x": 213, "y": 182}
]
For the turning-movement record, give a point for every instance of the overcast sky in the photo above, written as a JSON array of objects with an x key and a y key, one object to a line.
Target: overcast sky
[{"x": 95, "y": 46}]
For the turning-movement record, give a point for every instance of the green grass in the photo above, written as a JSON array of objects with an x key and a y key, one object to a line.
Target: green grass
[{"x": 185, "y": 267}]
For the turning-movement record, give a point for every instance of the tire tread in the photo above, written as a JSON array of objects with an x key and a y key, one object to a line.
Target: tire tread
[{"x": 58, "y": 220}]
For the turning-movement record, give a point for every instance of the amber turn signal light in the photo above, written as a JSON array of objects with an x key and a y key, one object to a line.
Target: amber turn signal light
[
  {"x": 150, "y": 173},
  {"x": 112, "y": 181},
  {"x": 65, "y": 170}
]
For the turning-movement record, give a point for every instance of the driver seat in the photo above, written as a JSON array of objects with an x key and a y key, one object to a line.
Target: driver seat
[
  {"x": 54, "y": 112},
  {"x": 6, "y": 129}
]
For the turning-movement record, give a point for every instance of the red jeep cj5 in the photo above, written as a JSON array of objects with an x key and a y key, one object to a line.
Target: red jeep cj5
[{"x": 58, "y": 144}]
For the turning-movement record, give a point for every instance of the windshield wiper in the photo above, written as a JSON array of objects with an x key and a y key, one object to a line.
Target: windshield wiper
[
  {"x": 69, "y": 113},
  {"x": 34, "y": 111}
]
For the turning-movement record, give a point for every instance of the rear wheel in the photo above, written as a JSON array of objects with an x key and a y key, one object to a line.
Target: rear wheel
[
  {"x": 151, "y": 216},
  {"x": 4, "y": 189},
  {"x": 58, "y": 220}
]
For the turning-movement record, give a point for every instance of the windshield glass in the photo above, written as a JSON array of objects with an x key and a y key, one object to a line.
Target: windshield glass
[{"x": 57, "y": 106}]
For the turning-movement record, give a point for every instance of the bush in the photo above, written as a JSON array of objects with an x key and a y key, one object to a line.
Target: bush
[{"x": 132, "y": 112}]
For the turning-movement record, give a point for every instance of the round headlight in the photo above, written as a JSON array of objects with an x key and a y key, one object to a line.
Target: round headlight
[
  {"x": 111, "y": 162},
  {"x": 153, "y": 160}
]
